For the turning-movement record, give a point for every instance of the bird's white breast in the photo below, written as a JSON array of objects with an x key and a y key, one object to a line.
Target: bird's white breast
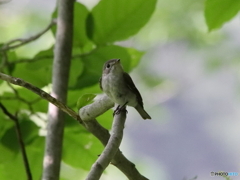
[{"x": 115, "y": 87}]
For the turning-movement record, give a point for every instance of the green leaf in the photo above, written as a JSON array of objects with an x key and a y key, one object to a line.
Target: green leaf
[
  {"x": 218, "y": 12},
  {"x": 80, "y": 38},
  {"x": 8, "y": 155},
  {"x": 15, "y": 164},
  {"x": 38, "y": 71},
  {"x": 10, "y": 150},
  {"x": 54, "y": 16},
  {"x": 4, "y": 87},
  {"x": 136, "y": 56},
  {"x": 6, "y": 65},
  {"x": 35, "y": 153},
  {"x": 81, "y": 149},
  {"x": 119, "y": 19},
  {"x": 29, "y": 132},
  {"x": 11, "y": 57},
  {"x": 5, "y": 125},
  {"x": 8, "y": 99},
  {"x": 77, "y": 67},
  {"x": 73, "y": 124},
  {"x": 80, "y": 15},
  {"x": 15, "y": 173},
  {"x": 85, "y": 100},
  {"x": 40, "y": 106},
  {"x": 106, "y": 119},
  {"x": 9, "y": 140}
]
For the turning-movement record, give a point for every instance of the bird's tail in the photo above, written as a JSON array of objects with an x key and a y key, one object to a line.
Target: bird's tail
[{"x": 142, "y": 112}]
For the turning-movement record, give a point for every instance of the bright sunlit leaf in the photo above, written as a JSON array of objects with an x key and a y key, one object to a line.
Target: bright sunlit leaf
[{"x": 119, "y": 19}]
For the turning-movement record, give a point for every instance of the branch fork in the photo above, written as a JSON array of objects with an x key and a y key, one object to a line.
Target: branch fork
[{"x": 87, "y": 120}]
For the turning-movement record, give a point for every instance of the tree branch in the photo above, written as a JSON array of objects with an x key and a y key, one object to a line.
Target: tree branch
[
  {"x": 119, "y": 160},
  {"x": 20, "y": 141},
  {"x": 7, "y": 46},
  {"x": 111, "y": 148},
  {"x": 41, "y": 93},
  {"x": 60, "y": 78},
  {"x": 100, "y": 105}
]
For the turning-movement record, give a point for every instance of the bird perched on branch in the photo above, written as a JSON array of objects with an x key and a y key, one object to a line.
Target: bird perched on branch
[{"x": 120, "y": 88}]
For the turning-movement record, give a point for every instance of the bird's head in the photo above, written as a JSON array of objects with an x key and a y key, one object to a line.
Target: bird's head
[{"x": 112, "y": 66}]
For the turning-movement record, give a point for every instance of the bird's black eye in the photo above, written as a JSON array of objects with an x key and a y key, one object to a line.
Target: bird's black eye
[{"x": 108, "y": 65}]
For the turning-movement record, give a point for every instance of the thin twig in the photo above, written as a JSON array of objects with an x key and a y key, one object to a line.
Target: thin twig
[
  {"x": 20, "y": 140},
  {"x": 7, "y": 46},
  {"x": 111, "y": 148}
]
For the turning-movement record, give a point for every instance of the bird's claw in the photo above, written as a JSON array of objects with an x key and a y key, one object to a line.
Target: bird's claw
[{"x": 119, "y": 109}]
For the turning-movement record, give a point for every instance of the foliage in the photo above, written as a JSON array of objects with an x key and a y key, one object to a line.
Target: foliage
[
  {"x": 95, "y": 33},
  {"x": 218, "y": 12}
]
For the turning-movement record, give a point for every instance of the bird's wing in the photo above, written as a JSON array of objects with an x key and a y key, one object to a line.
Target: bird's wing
[{"x": 131, "y": 86}]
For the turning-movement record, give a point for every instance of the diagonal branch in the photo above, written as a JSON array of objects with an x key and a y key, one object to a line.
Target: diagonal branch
[
  {"x": 111, "y": 148},
  {"x": 20, "y": 140},
  {"x": 7, "y": 46},
  {"x": 41, "y": 93},
  {"x": 88, "y": 114}
]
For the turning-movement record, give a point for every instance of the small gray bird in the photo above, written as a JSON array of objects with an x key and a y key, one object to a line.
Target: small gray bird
[{"x": 119, "y": 87}]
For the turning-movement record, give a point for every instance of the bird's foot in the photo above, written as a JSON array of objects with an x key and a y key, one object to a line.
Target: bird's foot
[
  {"x": 116, "y": 111},
  {"x": 119, "y": 109}
]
